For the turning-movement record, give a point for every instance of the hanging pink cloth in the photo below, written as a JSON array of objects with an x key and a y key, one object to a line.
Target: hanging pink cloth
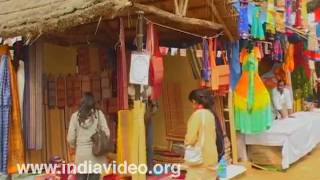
[
  {"x": 156, "y": 64},
  {"x": 122, "y": 79},
  {"x": 299, "y": 58}
]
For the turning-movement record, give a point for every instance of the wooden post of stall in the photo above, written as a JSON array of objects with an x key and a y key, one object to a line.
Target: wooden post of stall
[
  {"x": 139, "y": 44},
  {"x": 233, "y": 135}
]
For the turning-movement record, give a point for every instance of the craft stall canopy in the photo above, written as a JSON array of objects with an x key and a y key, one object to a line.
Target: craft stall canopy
[{"x": 77, "y": 23}]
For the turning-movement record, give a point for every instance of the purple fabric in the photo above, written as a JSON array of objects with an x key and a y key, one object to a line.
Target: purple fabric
[
  {"x": 205, "y": 62},
  {"x": 5, "y": 107}
]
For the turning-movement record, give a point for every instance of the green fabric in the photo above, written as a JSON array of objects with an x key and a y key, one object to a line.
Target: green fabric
[
  {"x": 254, "y": 122},
  {"x": 301, "y": 82}
]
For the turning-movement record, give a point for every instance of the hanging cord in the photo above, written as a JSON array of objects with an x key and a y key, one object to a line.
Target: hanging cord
[{"x": 185, "y": 32}]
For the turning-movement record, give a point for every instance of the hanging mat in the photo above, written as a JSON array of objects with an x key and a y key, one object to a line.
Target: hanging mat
[
  {"x": 106, "y": 91},
  {"x": 76, "y": 85},
  {"x": 70, "y": 93},
  {"x": 61, "y": 92},
  {"x": 83, "y": 60},
  {"x": 96, "y": 87},
  {"x": 52, "y": 91}
]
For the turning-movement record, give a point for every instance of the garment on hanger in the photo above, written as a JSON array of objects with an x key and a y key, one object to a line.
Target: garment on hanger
[
  {"x": 257, "y": 30},
  {"x": 252, "y": 105},
  {"x": 83, "y": 60},
  {"x": 21, "y": 85},
  {"x": 271, "y": 26},
  {"x": 289, "y": 59},
  {"x": 277, "y": 54},
  {"x": 298, "y": 19},
  {"x": 106, "y": 90},
  {"x": 243, "y": 24},
  {"x": 313, "y": 44},
  {"x": 5, "y": 107},
  {"x": 206, "y": 70},
  {"x": 69, "y": 90},
  {"x": 77, "y": 92},
  {"x": 52, "y": 91}
]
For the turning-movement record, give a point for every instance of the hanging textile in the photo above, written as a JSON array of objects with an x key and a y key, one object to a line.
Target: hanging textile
[
  {"x": 69, "y": 89},
  {"x": 243, "y": 23},
  {"x": 106, "y": 90},
  {"x": 122, "y": 82},
  {"x": 35, "y": 130},
  {"x": 16, "y": 146},
  {"x": 83, "y": 60},
  {"x": 85, "y": 84},
  {"x": 312, "y": 55},
  {"x": 21, "y": 85},
  {"x": 298, "y": 19},
  {"x": 52, "y": 91},
  {"x": 5, "y": 107},
  {"x": 194, "y": 63},
  {"x": 277, "y": 54},
  {"x": 206, "y": 69},
  {"x": 256, "y": 23},
  {"x": 96, "y": 87},
  {"x": 103, "y": 59},
  {"x": 252, "y": 105},
  {"x": 156, "y": 70},
  {"x": 299, "y": 59},
  {"x": 288, "y": 64},
  {"x": 234, "y": 63},
  {"x": 77, "y": 93},
  {"x": 61, "y": 92},
  {"x": 270, "y": 21}
]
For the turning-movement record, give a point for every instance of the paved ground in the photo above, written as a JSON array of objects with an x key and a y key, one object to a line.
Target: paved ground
[{"x": 307, "y": 168}]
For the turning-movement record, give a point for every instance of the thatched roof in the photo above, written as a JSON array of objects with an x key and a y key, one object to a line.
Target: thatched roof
[
  {"x": 71, "y": 22},
  {"x": 18, "y": 17}
]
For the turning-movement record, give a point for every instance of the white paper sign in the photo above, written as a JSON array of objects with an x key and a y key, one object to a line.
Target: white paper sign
[
  {"x": 139, "y": 70},
  {"x": 174, "y": 51}
]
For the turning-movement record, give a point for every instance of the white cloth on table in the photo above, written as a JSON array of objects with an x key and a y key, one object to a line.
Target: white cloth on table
[{"x": 297, "y": 136}]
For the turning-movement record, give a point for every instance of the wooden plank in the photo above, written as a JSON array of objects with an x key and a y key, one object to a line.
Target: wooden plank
[{"x": 178, "y": 19}]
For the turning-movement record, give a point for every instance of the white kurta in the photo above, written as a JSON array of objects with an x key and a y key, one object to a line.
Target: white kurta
[{"x": 21, "y": 84}]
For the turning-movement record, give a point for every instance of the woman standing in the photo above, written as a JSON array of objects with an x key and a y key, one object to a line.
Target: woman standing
[
  {"x": 201, "y": 133},
  {"x": 83, "y": 125}
]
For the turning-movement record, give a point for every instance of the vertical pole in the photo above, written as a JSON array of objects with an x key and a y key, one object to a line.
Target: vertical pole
[
  {"x": 233, "y": 135},
  {"x": 139, "y": 40}
]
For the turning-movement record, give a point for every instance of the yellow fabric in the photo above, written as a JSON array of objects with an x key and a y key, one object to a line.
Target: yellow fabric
[
  {"x": 16, "y": 147},
  {"x": 209, "y": 149},
  {"x": 131, "y": 137}
]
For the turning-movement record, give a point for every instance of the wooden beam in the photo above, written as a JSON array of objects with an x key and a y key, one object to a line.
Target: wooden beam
[
  {"x": 178, "y": 19},
  {"x": 216, "y": 14}
]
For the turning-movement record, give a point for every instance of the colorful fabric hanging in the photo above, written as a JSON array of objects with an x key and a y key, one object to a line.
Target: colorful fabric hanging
[
  {"x": 194, "y": 62},
  {"x": 206, "y": 70},
  {"x": 5, "y": 107},
  {"x": 252, "y": 105},
  {"x": 243, "y": 24},
  {"x": 256, "y": 23},
  {"x": 234, "y": 63},
  {"x": 16, "y": 145},
  {"x": 271, "y": 26},
  {"x": 289, "y": 59},
  {"x": 299, "y": 59},
  {"x": 156, "y": 63},
  {"x": 122, "y": 82},
  {"x": 277, "y": 54},
  {"x": 312, "y": 55},
  {"x": 298, "y": 19}
]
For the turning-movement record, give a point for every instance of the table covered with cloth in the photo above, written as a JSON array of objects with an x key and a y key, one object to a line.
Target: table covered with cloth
[{"x": 297, "y": 136}]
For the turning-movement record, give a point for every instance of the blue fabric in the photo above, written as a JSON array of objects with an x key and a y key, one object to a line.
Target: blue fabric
[
  {"x": 318, "y": 30},
  {"x": 243, "y": 20},
  {"x": 234, "y": 63},
  {"x": 5, "y": 106},
  {"x": 251, "y": 10}
]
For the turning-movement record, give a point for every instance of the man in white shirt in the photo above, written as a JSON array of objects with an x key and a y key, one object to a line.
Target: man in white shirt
[{"x": 282, "y": 100}]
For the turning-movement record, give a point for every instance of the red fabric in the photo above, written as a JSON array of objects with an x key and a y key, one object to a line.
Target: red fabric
[
  {"x": 299, "y": 58},
  {"x": 317, "y": 14},
  {"x": 298, "y": 20},
  {"x": 122, "y": 80},
  {"x": 312, "y": 55},
  {"x": 156, "y": 70}
]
